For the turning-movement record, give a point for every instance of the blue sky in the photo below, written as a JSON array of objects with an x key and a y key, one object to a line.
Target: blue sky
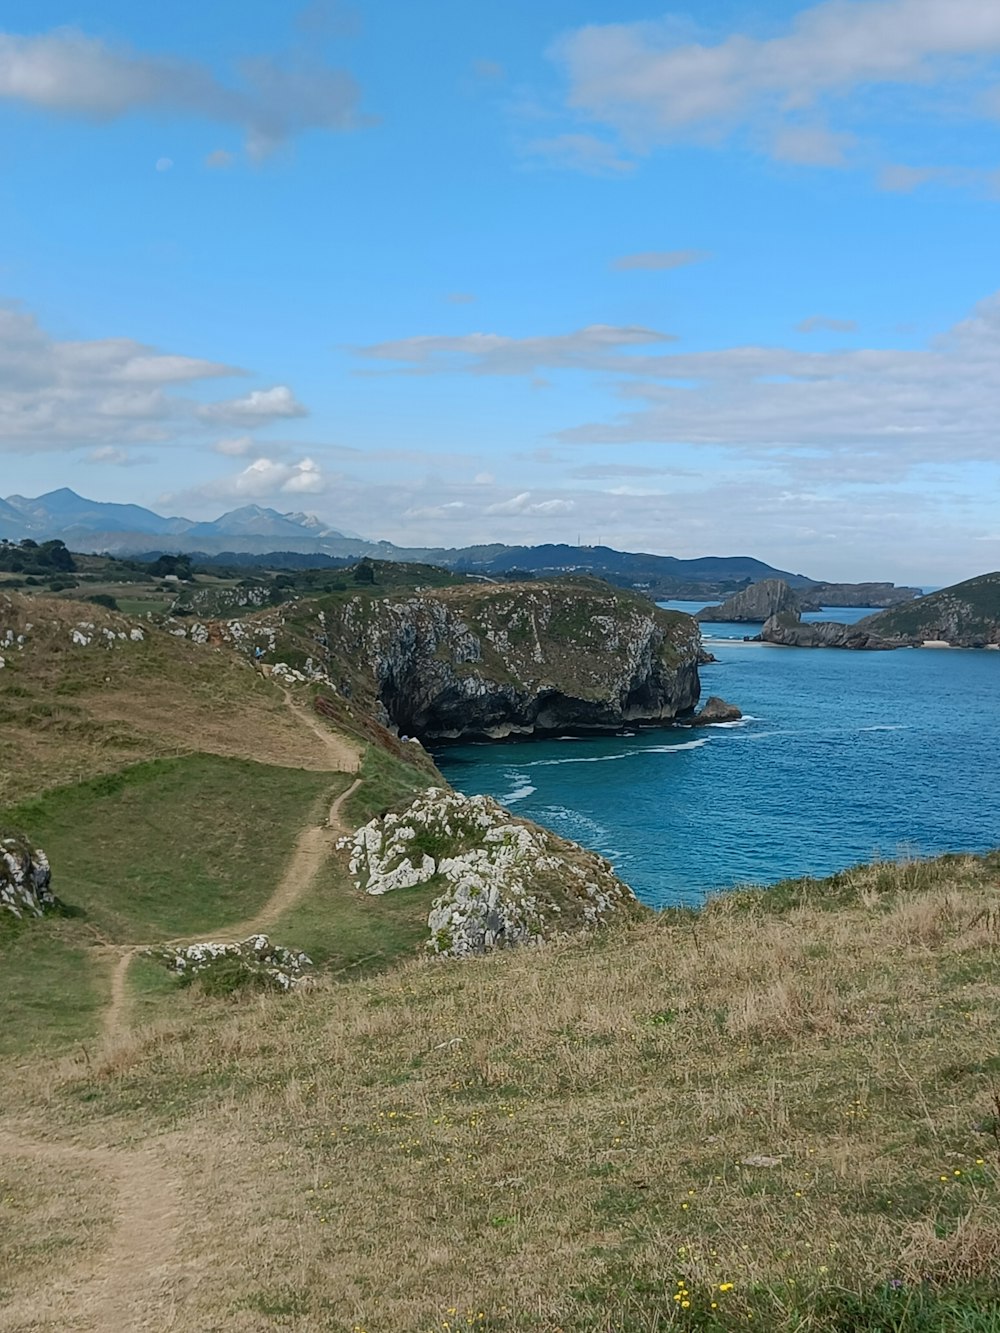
[{"x": 444, "y": 273}]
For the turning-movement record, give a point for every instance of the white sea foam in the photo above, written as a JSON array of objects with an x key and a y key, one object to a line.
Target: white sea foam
[
  {"x": 670, "y": 749},
  {"x": 584, "y": 759},
  {"x": 574, "y": 824},
  {"x": 636, "y": 753},
  {"x": 519, "y": 791},
  {"x": 886, "y": 726}
]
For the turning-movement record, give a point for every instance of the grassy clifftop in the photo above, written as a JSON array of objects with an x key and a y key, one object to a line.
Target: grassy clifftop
[
  {"x": 487, "y": 659},
  {"x": 967, "y": 614},
  {"x": 778, "y": 1113}
]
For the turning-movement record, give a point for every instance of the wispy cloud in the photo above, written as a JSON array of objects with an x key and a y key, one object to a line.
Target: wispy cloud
[
  {"x": 106, "y": 392},
  {"x": 825, "y": 324},
  {"x": 651, "y": 82},
  {"x": 596, "y": 347},
  {"x": 579, "y": 152},
  {"x": 256, "y": 408},
  {"x": 889, "y": 410},
  {"x": 660, "y": 259},
  {"x": 68, "y": 72},
  {"x": 524, "y": 504}
]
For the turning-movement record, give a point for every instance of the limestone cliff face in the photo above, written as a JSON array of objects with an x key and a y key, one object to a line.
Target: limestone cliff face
[
  {"x": 516, "y": 659},
  {"x": 966, "y": 615},
  {"x": 854, "y": 594},
  {"x": 24, "y": 877},
  {"x": 754, "y": 604},
  {"x": 787, "y": 629}
]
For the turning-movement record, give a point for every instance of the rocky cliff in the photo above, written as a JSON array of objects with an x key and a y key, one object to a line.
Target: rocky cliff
[
  {"x": 854, "y": 594},
  {"x": 754, "y": 604},
  {"x": 788, "y": 631},
  {"x": 966, "y": 615},
  {"x": 515, "y": 659},
  {"x": 24, "y": 878},
  {"x": 499, "y": 881}
]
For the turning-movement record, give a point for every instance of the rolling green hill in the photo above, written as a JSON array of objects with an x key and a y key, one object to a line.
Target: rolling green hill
[{"x": 966, "y": 615}]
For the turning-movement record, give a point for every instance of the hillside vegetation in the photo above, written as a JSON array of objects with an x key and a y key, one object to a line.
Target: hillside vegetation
[
  {"x": 781, "y": 1112},
  {"x": 967, "y": 614},
  {"x": 778, "y": 1113}
]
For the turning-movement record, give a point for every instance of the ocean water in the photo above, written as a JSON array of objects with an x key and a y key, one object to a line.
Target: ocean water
[{"x": 841, "y": 756}]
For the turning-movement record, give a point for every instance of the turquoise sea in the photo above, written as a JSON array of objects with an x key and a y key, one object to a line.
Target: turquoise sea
[{"x": 841, "y": 756}]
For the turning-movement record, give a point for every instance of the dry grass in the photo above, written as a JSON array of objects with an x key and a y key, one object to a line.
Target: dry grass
[
  {"x": 69, "y": 712},
  {"x": 556, "y": 1138},
  {"x": 52, "y": 1215}
]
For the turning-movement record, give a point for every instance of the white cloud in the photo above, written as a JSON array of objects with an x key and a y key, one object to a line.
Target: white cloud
[
  {"x": 460, "y": 298},
  {"x": 882, "y": 412},
  {"x": 597, "y": 347},
  {"x": 257, "y": 408},
  {"x": 268, "y": 477},
  {"x": 164, "y": 163},
  {"x": 810, "y": 146},
  {"x": 579, "y": 152},
  {"x": 239, "y": 446},
  {"x": 70, "y": 394},
  {"x": 660, "y": 259},
  {"x": 69, "y": 72},
  {"x": 109, "y": 456},
  {"x": 484, "y": 479},
  {"x": 651, "y": 83},
  {"x": 887, "y": 411},
  {"x": 219, "y": 159},
  {"x": 897, "y": 178},
  {"x": 451, "y": 509},
  {"x": 523, "y": 504}
]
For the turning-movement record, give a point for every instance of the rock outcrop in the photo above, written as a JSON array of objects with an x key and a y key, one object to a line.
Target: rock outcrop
[
  {"x": 499, "y": 660},
  {"x": 754, "y": 604},
  {"x": 716, "y": 710},
  {"x": 966, "y": 615},
  {"x": 500, "y": 881},
  {"x": 25, "y": 878},
  {"x": 254, "y": 963},
  {"x": 854, "y": 594},
  {"x": 788, "y": 630}
]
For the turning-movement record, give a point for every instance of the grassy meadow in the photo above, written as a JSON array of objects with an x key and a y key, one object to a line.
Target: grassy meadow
[{"x": 779, "y": 1112}]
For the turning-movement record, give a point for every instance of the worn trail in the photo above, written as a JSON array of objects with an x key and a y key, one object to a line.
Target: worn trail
[
  {"x": 138, "y": 1277},
  {"x": 138, "y": 1282},
  {"x": 311, "y": 849}
]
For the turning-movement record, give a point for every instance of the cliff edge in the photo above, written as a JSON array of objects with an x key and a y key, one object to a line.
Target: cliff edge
[{"x": 491, "y": 661}]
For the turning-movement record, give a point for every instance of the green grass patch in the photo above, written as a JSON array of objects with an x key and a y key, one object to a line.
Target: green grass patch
[
  {"x": 347, "y": 932},
  {"x": 173, "y": 846},
  {"x": 54, "y": 988},
  {"x": 386, "y": 782},
  {"x": 152, "y": 990}
]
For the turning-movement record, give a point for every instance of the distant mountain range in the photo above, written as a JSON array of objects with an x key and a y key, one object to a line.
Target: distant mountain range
[{"x": 125, "y": 529}]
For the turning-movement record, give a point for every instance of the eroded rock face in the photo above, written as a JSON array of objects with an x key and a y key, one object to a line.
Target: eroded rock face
[
  {"x": 525, "y": 659},
  {"x": 25, "y": 877},
  {"x": 966, "y": 615},
  {"x": 501, "y": 882},
  {"x": 855, "y": 594},
  {"x": 716, "y": 710},
  {"x": 788, "y": 630},
  {"x": 754, "y": 604}
]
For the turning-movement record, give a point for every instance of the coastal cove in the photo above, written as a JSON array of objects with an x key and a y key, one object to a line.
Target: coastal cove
[{"x": 840, "y": 757}]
